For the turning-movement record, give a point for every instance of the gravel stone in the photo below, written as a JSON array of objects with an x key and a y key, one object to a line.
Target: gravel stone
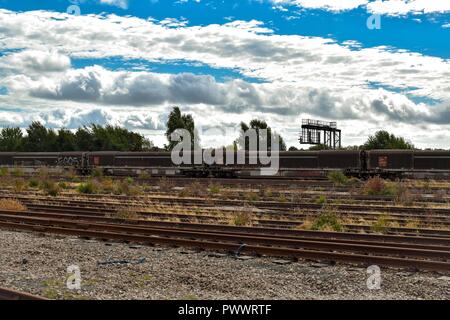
[{"x": 167, "y": 274}]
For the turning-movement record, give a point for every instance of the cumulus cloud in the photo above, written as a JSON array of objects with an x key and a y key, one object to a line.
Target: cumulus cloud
[
  {"x": 303, "y": 76},
  {"x": 387, "y": 7}
]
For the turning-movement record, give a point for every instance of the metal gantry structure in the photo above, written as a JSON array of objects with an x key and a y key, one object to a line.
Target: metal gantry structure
[{"x": 317, "y": 132}]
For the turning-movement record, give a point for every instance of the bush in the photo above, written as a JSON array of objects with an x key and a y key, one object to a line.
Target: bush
[
  {"x": 87, "y": 188},
  {"x": 327, "y": 221},
  {"x": 97, "y": 173},
  {"x": 378, "y": 187},
  {"x": 63, "y": 185},
  {"x": 381, "y": 225},
  {"x": 337, "y": 177},
  {"x": 50, "y": 188},
  {"x": 33, "y": 183}
]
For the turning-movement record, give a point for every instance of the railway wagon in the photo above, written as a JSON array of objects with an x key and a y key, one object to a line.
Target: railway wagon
[
  {"x": 433, "y": 161},
  {"x": 390, "y": 161},
  {"x": 42, "y": 159},
  {"x": 6, "y": 158}
]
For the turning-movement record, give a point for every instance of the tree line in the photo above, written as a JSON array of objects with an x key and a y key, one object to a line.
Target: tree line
[
  {"x": 38, "y": 138},
  {"x": 87, "y": 138}
]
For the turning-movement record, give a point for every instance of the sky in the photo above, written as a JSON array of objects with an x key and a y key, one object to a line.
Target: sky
[{"x": 367, "y": 64}]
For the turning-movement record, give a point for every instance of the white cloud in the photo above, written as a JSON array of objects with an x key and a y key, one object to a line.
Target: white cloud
[
  {"x": 386, "y": 7},
  {"x": 304, "y": 76},
  {"x": 123, "y": 4}
]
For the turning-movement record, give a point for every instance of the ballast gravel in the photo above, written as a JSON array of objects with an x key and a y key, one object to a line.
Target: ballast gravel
[{"x": 39, "y": 265}]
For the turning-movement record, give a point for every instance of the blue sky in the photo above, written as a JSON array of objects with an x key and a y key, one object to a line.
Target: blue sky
[{"x": 226, "y": 61}]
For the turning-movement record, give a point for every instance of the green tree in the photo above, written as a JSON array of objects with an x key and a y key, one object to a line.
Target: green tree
[
  {"x": 11, "y": 139},
  {"x": 40, "y": 139},
  {"x": 258, "y": 125},
  {"x": 385, "y": 140},
  {"x": 177, "y": 120},
  {"x": 65, "y": 140}
]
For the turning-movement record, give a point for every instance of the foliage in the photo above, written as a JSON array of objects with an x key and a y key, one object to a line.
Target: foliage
[
  {"x": 327, "y": 221},
  {"x": 258, "y": 125},
  {"x": 337, "y": 177},
  {"x": 176, "y": 121},
  {"x": 92, "y": 138},
  {"x": 384, "y": 140}
]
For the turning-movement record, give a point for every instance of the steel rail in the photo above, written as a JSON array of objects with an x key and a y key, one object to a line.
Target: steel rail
[{"x": 250, "y": 249}]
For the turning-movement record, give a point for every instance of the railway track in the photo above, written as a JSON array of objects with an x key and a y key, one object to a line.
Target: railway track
[
  {"x": 431, "y": 254},
  {"x": 9, "y": 294},
  {"x": 273, "y": 218}
]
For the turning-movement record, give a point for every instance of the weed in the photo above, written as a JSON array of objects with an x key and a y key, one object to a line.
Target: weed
[
  {"x": 381, "y": 225},
  {"x": 4, "y": 171},
  {"x": 337, "y": 177},
  {"x": 12, "y": 205},
  {"x": 242, "y": 219},
  {"x": 322, "y": 199}
]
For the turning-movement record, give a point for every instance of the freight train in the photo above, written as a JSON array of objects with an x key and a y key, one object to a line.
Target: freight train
[{"x": 385, "y": 163}]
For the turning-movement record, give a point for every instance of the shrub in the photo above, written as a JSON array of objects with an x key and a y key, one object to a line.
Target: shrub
[
  {"x": 33, "y": 183},
  {"x": 50, "y": 188},
  {"x": 124, "y": 187},
  {"x": 378, "y": 187},
  {"x": 12, "y": 205},
  {"x": 97, "y": 173},
  {"x": 327, "y": 221},
  {"x": 63, "y": 185},
  {"x": 251, "y": 196},
  {"x": 337, "y": 177},
  {"x": 87, "y": 188},
  {"x": 381, "y": 225}
]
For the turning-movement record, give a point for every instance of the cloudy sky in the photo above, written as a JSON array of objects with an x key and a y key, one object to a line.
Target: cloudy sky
[{"x": 68, "y": 63}]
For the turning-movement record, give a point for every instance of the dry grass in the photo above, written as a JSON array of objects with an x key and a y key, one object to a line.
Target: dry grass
[
  {"x": 12, "y": 205},
  {"x": 126, "y": 214}
]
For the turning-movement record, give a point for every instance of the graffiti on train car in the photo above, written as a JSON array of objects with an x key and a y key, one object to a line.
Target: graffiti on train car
[{"x": 68, "y": 161}]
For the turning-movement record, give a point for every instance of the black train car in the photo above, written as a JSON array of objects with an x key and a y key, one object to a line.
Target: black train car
[
  {"x": 299, "y": 160},
  {"x": 6, "y": 158},
  {"x": 390, "y": 160},
  {"x": 340, "y": 160},
  {"x": 432, "y": 161},
  {"x": 48, "y": 159}
]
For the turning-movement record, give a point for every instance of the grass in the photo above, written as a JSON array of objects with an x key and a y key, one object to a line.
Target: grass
[
  {"x": 19, "y": 185},
  {"x": 337, "y": 177},
  {"x": 126, "y": 214},
  {"x": 327, "y": 220},
  {"x": 12, "y": 205},
  {"x": 381, "y": 225},
  {"x": 214, "y": 189},
  {"x": 4, "y": 171},
  {"x": 321, "y": 199},
  {"x": 50, "y": 188},
  {"x": 87, "y": 188},
  {"x": 242, "y": 219},
  {"x": 33, "y": 183},
  {"x": 379, "y": 187}
]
